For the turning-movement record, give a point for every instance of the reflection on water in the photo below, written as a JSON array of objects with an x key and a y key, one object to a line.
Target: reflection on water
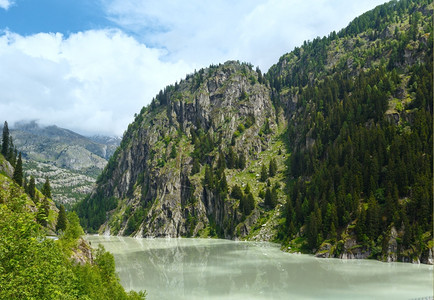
[{"x": 222, "y": 269}]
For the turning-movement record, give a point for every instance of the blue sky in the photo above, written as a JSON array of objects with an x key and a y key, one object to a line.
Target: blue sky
[
  {"x": 89, "y": 66},
  {"x": 28, "y": 17}
]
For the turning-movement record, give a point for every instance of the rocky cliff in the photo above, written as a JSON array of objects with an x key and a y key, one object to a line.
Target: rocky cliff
[{"x": 213, "y": 119}]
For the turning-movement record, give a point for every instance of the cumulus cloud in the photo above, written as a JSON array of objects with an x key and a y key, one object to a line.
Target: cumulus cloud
[
  {"x": 94, "y": 81},
  {"x": 5, "y": 4},
  {"x": 257, "y": 31},
  {"x": 91, "y": 82}
]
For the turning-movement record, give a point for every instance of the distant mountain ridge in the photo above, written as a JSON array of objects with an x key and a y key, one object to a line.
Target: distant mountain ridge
[
  {"x": 23, "y": 133},
  {"x": 71, "y": 161}
]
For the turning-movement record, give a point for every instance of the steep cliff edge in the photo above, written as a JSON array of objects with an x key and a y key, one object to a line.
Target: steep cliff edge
[{"x": 181, "y": 158}]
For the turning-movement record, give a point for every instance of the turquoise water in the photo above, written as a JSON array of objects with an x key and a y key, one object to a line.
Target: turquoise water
[{"x": 223, "y": 269}]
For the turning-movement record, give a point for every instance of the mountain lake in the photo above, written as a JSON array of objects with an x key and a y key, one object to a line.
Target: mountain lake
[{"x": 183, "y": 268}]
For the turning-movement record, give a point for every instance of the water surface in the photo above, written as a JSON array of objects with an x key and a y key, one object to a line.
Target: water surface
[{"x": 222, "y": 269}]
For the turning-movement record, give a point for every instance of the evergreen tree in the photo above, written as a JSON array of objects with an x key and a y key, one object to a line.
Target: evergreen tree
[
  {"x": 273, "y": 198},
  {"x": 209, "y": 177},
  {"x": 12, "y": 152},
  {"x": 250, "y": 203},
  {"x": 25, "y": 187},
  {"x": 272, "y": 169},
  {"x": 264, "y": 175},
  {"x": 247, "y": 204},
  {"x": 196, "y": 167},
  {"x": 46, "y": 189},
  {"x": 260, "y": 78},
  {"x": 221, "y": 162},
  {"x": 236, "y": 192},
  {"x": 14, "y": 157},
  {"x": 31, "y": 188},
  {"x": 223, "y": 186},
  {"x": 61, "y": 219},
  {"x": 241, "y": 164},
  {"x": 43, "y": 211},
  {"x": 173, "y": 151},
  {"x": 372, "y": 218},
  {"x": 268, "y": 198},
  {"x": 5, "y": 140},
  {"x": 18, "y": 171},
  {"x": 312, "y": 231},
  {"x": 247, "y": 189},
  {"x": 232, "y": 159}
]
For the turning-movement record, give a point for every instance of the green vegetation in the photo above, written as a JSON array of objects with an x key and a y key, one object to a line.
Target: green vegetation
[
  {"x": 34, "y": 267},
  {"x": 61, "y": 219},
  {"x": 362, "y": 168},
  {"x": 18, "y": 172},
  {"x": 8, "y": 150},
  {"x": 93, "y": 213},
  {"x": 46, "y": 188}
]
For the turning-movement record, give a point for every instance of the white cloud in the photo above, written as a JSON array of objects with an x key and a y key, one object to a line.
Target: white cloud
[
  {"x": 91, "y": 82},
  {"x": 5, "y": 4},
  {"x": 94, "y": 81},
  {"x": 258, "y": 31}
]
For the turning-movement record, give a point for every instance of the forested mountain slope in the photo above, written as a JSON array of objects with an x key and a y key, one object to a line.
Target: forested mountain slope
[
  {"x": 329, "y": 152},
  {"x": 359, "y": 105}
]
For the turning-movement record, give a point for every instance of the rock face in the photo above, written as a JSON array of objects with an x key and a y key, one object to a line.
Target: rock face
[
  {"x": 199, "y": 119},
  {"x": 6, "y": 167},
  {"x": 82, "y": 253}
]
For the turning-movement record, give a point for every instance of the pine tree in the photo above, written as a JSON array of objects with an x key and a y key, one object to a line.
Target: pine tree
[
  {"x": 268, "y": 197},
  {"x": 236, "y": 192},
  {"x": 264, "y": 174},
  {"x": 46, "y": 189},
  {"x": 260, "y": 78},
  {"x": 241, "y": 163},
  {"x": 272, "y": 169},
  {"x": 247, "y": 204},
  {"x": 223, "y": 186},
  {"x": 221, "y": 162},
  {"x": 173, "y": 152},
  {"x": 18, "y": 171},
  {"x": 11, "y": 155},
  {"x": 209, "y": 177},
  {"x": 273, "y": 199},
  {"x": 232, "y": 159},
  {"x": 5, "y": 140},
  {"x": 31, "y": 188},
  {"x": 312, "y": 231},
  {"x": 196, "y": 167},
  {"x": 25, "y": 183},
  {"x": 333, "y": 234},
  {"x": 372, "y": 217},
  {"x": 250, "y": 204},
  {"x": 61, "y": 219},
  {"x": 247, "y": 189}
]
